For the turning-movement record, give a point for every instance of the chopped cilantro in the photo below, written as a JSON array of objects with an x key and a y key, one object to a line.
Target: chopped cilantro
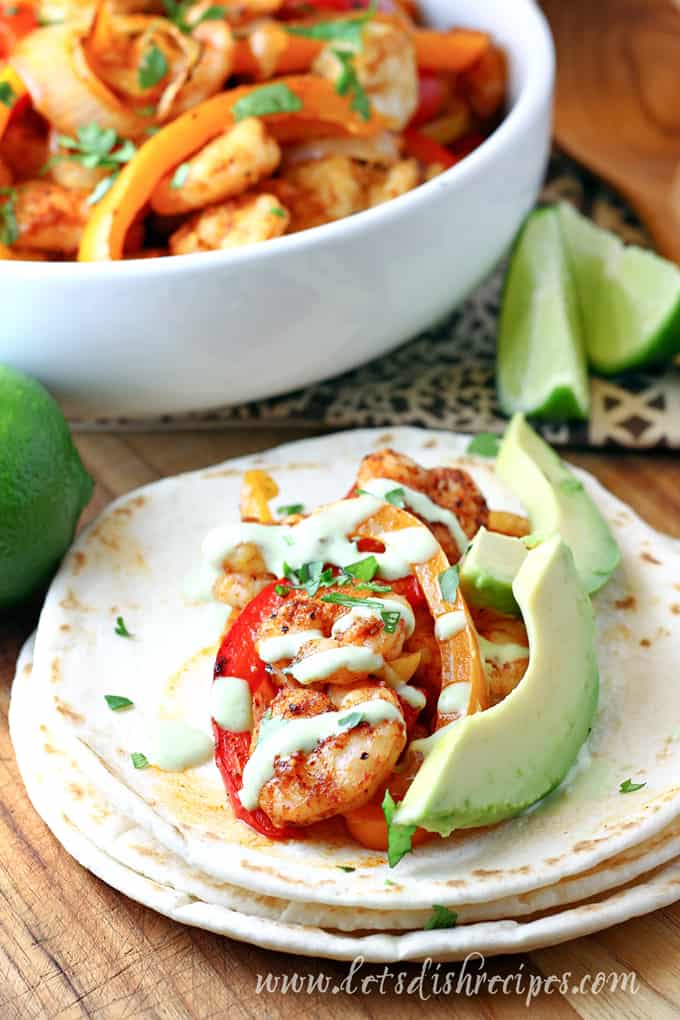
[
  {"x": 120, "y": 628},
  {"x": 116, "y": 702},
  {"x": 274, "y": 98},
  {"x": 398, "y": 836},
  {"x": 448, "y": 583},
  {"x": 396, "y": 497},
  {"x": 9, "y": 228},
  {"x": 441, "y": 918},
  {"x": 276, "y": 210},
  {"x": 179, "y": 12},
  {"x": 153, "y": 67},
  {"x": 388, "y": 881},
  {"x": 344, "y": 867},
  {"x": 179, "y": 178},
  {"x": 291, "y": 508},
  {"x": 363, "y": 570},
  {"x": 94, "y": 147},
  {"x": 347, "y": 83},
  {"x": 630, "y": 787},
  {"x": 100, "y": 189},
  {"x": 485, "y": 444},
  {"x": 282, "y": 590},
  {"x": 7, "y": 93},
  {"x": 139, "y": 760},
  {"x": 310, "y": 576},
  {"x": 348, "y": 30},
  {"x": 571, "y": 485},
  {"x": 390, "y": 619}
]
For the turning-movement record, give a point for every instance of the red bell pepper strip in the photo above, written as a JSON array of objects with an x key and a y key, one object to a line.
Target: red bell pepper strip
[
  {"x": 16, "y": 21},
  {"x": 432, "y": 94},
  {"x": 238, "y": 657},
  {"x": 427, "y": 151}
]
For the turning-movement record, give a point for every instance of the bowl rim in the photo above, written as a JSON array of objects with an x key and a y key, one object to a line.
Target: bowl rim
[{"x": 533, "y": 33}]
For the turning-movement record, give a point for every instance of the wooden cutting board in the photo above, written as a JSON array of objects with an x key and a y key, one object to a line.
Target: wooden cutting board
[
  {"x": 70, "y": 947},
  {"x": 617, "y": 101}
]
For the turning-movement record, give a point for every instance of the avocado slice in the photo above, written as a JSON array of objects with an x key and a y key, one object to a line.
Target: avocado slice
[
  {"x": 488, "y": 569},
  {"x": 557, "y": 503},
  {"x": 491, "y": 765}
]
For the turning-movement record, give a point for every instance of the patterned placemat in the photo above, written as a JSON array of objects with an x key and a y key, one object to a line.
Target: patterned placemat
[{"x": 454, "y": 384}]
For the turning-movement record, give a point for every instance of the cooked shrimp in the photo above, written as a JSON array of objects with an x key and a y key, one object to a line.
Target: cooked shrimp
[
  {"x": 50, "y": 219},
  {"x": 449, "y": 487},
  {"x": 344, "y": 771},
  {"x": 321, "y": 191},
  {"x": 384, "y": 185},
  {"x": 380, "y": 150},
  {"x": 500, "y": 629},
  {"x": 245, "y": 575},
  {"x": 70, "y": 173},
  {"x": 386, "y": 68},
  {"x": 224, "y": 168},
  {"x": 232, "y": 224}
]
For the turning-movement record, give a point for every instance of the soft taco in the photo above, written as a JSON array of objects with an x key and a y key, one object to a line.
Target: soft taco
[{"x": 375, "y": 699}]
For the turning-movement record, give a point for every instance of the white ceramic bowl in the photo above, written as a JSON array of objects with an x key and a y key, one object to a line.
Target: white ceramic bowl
[{"x": 196, "y": 331}]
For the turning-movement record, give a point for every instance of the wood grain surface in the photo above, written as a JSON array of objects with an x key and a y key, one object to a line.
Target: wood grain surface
[
  {"x": 617, "y": 101},
  {"x": 71, "y": 947}
]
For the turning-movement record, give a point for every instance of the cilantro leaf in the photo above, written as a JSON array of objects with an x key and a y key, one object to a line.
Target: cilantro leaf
[
  {"x": 484, "y": 444},
  {"x": 630, "y": 787},
  {"x": 153, "y": 67},
  {"x": 7, "y": 94},
  {"x": 448, "y": 583},
  {"x": 139, "y": 760},
  {"x": 9, "y": 228},
  {"x": 441, "y": 918},
  {"x": 348, "y": 83},
  {"x": 291, "y": 508},
  {"x": 94, "y": 147},
  {"x": 344, "y": 867},
  {"x": 120, "y": 629},
  {"x": 363, "y": 570},
  {"x": 179, "y": 12},
  {"x": 390, "y": 619},
  {"x": 348, "y": 30},
  {"x": 116, "y": 702},
  {"x": 100, "y": 189},
  {"x": 399, "y": 837},
  {"x": 282, "y": 589},
  {"x": 397, "y": 497},
  {"x": 274, "y": 98},
  {"x": 179, "y": 178}
]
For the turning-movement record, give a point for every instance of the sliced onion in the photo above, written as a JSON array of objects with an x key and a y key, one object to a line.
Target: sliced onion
[
  {"x": 64, "y": 88},
  {"x": 382, "y": 149}
]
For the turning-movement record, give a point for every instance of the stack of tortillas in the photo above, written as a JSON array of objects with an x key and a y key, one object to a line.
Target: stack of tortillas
[{"x": 588, "y": 856}]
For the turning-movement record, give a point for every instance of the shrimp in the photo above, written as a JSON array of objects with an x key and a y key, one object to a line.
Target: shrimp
[
  {"x": 500, "y": 629},
  {"x": 50, "y": 219},
  {"x": 245, "y": 575},
  {"x": 70, "y": 173},
  {"x": 386, "y": 68},
  {"x": 344, "y": 771},
  {"x": 321, "y": 191},
  {"x": 449, "y": 487},
  {"x": 397, "y": 180},
  {"x": 231, "y": 224},
  {"x": 226, "y": 167}
]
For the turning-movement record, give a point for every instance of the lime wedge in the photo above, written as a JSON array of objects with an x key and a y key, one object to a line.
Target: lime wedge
[
  {"x": 629, "y": 297},
  {"x": 541, "y": 366}
]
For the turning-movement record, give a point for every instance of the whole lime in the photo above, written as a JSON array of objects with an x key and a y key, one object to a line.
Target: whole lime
[{"x": 43, "y": 486}]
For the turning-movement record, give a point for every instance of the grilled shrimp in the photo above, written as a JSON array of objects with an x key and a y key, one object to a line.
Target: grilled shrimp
[
  {"x": 384, "y": 185},
  {"x": 449, "y": 487},
  {"x": 50, "y": 219},
  {"x": 386, "y": 69},
  {"x": 501, "y": 629},
  {"x": 321, "y": 191},
  {"x": 224, "y": 168},
  {"x": 344, "y": 771},
  {"x": 231, "y": 224},
  {"x": 245, "y": 575}
]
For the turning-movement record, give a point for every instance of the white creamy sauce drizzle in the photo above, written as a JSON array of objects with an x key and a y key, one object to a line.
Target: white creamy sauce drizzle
[
  {"x": 173, "y": 745},
  {"x": 344, "y": 622},
  {"x": 421, "y": 505},
  {"x": 285, "y": 646},
  {"x": 501, "y": 654},
  {"x": 304, "y": 735},
  {"x": 320, "y": 537},
  {"x": 321, "y": 665},
  {"x": 454, "y": 698},
  {"x": 231, "y": 704},
  {"x": 411, "y": 695},
  {"x": 450, "y": 624}
]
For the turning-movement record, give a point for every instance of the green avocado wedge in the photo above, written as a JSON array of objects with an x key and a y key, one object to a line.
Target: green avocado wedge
[
  {"x": 541, "y": 363},
  {"x": 488, "y": 570},
  {"x": 557, "y": 503},
  {"x": 629, "y": 298},
  {"x": 487, "y": 767}
]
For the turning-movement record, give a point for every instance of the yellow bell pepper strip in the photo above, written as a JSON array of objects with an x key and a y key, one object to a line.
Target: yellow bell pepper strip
[
  {"x": 257, "y": 489},
  {"x": 460, "y": 655},
  {"x": 12, "y": 89},
  {"x": 104, "y": 235}
]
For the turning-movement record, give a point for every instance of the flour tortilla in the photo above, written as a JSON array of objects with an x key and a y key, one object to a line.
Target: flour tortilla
[
  {"x": 136, "y": 561},
  {"x": 131, "y": 861}
]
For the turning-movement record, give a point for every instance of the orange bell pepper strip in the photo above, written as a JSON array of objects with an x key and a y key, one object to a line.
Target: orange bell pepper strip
[
  {"x": 367, "y": 826},
  {"x": 14, "y": 89},
  {"x": 460, "y": 656},
  {"x": 104, "y": 236},
  {"x": 428, "y": 152},
  {"x": 257, "y": 489},
  {"x": 450, "y": 52},
  {"x": 5, "y": 252}
]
